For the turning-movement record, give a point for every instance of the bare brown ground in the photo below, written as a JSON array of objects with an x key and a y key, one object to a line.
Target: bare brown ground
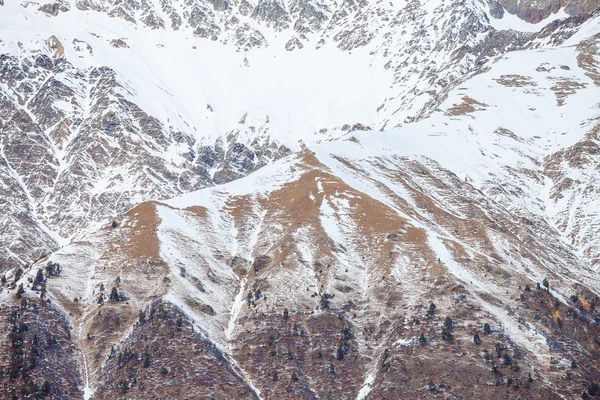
[
  {"x": 587, "y": 58},
  {"x": 564, "y": 88},
  {"x": 468, "y": 106},
  {"x": 516, "y": 81}
]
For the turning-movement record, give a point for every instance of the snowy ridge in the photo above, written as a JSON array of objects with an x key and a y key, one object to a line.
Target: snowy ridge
[{"x": 205, "y": 93}]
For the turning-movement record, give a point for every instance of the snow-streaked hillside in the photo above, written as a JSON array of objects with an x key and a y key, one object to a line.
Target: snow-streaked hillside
[
  {"x": 357, "y": 199},
  {"x": 312, "y": 277},
  {"x": 107, "y": 104}
]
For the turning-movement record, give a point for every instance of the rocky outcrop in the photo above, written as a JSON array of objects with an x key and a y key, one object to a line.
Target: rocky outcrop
[
  {"x": 77, "y": 136},
  {"x": 535, "y": 12},
  {"x": 54, "y": 155}
]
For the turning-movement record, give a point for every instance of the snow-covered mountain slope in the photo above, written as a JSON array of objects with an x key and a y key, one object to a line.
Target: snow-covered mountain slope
[
  {"x": 313, "y": 277},
  {"x": 107, "y": 104}
]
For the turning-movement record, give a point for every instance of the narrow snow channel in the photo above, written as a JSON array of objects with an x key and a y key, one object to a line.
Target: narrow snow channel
[
  {"x": 235, "y": 311},
  {"x": 87, "y": 390}
]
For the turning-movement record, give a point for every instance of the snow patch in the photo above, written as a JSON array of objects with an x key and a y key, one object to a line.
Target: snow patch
[{"x": 366, "y": 388}]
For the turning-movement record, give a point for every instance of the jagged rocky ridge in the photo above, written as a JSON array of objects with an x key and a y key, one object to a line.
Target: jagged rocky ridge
[{"x": 81, "y": 143}]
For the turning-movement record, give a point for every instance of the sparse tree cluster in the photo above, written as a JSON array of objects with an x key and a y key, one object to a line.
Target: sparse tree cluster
[
  {"x": 25, "y": 352},
  {"x": 447, "y": 330},
  {"x": 325, "y": 297},
  {"x": 115, "y": 295},
  {"x": 592, "y": 392},
  {"x": 39, "y": 282},
  {"x": 252, "y": 297},
  {"x": 344, "y": 346},
  {"x": 53, "y": 269},
  {"x": 447, "y": 334}
]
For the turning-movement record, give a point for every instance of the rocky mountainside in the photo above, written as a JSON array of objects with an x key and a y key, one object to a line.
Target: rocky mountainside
[
  {"x": 105, "y": 105},
  {"x": 289, "y": 199}
]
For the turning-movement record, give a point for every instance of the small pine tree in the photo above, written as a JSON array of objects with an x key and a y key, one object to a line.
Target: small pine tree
[
  {"x": 43, "y": 290},
  {"x": 431, "y": 310},
  {"x": 3, "y": 280},
  {"x": 486, "y": 355},
  {"x": 179, "y": 324},
  {"x": 538, "y": 286},
  {"x": 20, "y": 291},
  {"x": 39, "y": 278},
  {"x": 142, "y": 318},
  {"x": 499, "y": 349},
  {"x": 324, "y": 299},
  {"x": 476, "y": 338},
  {"x": 573, "y": 364},
  {"x": 286, "y": 314},
  {"x": 448, "y": 323},
  {"x": 147, "y": 360},
  {"x": 486, "y": 329},
  {"x": 574, "y": 298},
  {"x": 506, "y": 359},
  {"x": 422, "y": 339},
  {"x": 545, "y": 283},
  {"x": 115, "y": 295},
  {"x": 514, "y": 366},
  {"x": 447, "y": 335},
  {"x": 46, "y": 387},
  {"x": 114, "y": 224},
  {"x": 18, "y": 274}
]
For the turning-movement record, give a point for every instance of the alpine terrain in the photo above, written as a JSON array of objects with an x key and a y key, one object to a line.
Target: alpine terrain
[{"x": 299, "y": 199}]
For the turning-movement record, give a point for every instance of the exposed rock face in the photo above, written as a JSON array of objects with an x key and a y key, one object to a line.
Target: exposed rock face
[
  {"x": 72, "y": 140},
  {"x": 81, "y": 143},
  {"x": 536, "y": 11}
]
